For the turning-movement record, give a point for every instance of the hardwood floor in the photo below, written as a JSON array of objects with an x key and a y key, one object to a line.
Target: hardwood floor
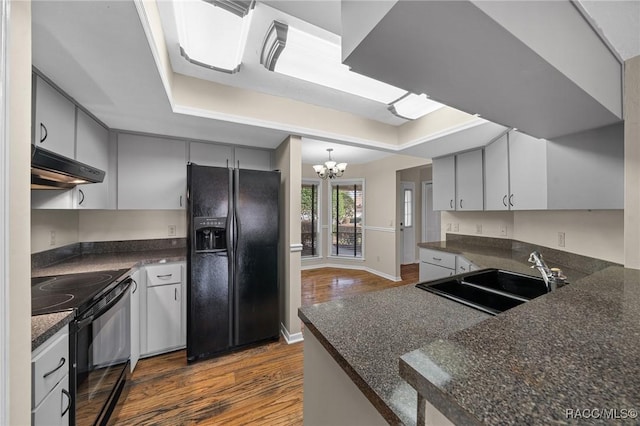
[{"x": 260, "y": 385}]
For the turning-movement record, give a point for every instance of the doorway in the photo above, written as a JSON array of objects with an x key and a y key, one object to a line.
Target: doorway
[
  {"x": 430, "y": 218},
  {"x": 407, "y": 224}
]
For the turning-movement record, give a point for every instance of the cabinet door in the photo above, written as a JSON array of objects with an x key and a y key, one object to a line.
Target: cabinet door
[
  {"x": 54, "y": 409},
  {"x": 444, "y": 183},
  {"x": 92, "y": 147},
  {"x": 252, "y": 159},
  {"x": 469, "y": 181},
  {"x": 152, "y": 173},
  {"x": 164, "y": 323},
  {"x": 527, "y": 172},
  {"x": 496, "y": 175},
  {"x": 207, "y": 154},
  {"x": 430, "y": 272},
  {"x": 54, "y": 121},
  {"x": 136, "y": 288}
]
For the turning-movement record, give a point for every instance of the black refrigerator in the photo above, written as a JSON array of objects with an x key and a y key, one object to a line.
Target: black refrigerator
[{"x": 232, "y": 259}]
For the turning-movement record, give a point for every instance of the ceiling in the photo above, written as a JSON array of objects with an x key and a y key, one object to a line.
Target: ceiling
[{"x": 98, "y": 53}]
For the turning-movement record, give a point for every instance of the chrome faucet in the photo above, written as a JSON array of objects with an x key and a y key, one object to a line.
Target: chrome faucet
[{"x": 553, "y": 278}]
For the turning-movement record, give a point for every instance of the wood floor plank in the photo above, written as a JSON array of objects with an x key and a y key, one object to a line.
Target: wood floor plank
[{"x": 260, "y": 385}]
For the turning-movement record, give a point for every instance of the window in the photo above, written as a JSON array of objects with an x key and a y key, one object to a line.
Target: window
[
  {"x": 309, "y": 218},
  {"x": 408, "y": 208},
  {"x": 347, "y": 218}
]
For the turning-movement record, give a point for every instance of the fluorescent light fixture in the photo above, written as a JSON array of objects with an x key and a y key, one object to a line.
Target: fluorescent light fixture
[
  {"x": 412, "y": 106},
  {"x": 213, "y": 33},
  {"x": 295, "y": 53}
]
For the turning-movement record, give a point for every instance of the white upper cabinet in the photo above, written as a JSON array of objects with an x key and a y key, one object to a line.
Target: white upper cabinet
[
  {"x": 444, "y": 183},
  {"x": 152, "y": 173},
  {"x": 206, "y": 154},
  {"x": 254, "y": 159},
  {"x": 457, "y": 182},
  {"x": 92, "y": 147},
  {"x": 527, "y": 172},
  {"x": 516, "y": 173},
  {"x": 54, "y": 120},
  {"x": 469, "y": 178},
  {"x": 496, "y": 175}
]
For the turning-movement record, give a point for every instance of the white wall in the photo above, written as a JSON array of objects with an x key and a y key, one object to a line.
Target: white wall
[
  {"x": 288, "y": 160},
  {"x": 64, "y": 223},
  {"x": 596, "y": 233},
  {"x": 121, "y": 225},
  {"x": 632, "y": 163},
  {"x": 17, "y": 356}
]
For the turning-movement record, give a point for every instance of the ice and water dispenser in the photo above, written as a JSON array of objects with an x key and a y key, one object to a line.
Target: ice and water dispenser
[{"x": 210, "y": 233}]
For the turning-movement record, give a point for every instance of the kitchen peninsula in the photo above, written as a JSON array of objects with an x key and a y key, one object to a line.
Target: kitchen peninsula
[{"x": 538, "y": 363}]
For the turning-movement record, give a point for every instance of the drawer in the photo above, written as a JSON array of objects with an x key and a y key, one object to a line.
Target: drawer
[
  {"x": 54, "y": 409},
  {"x": 164, "y": 274},
  {"x": 436, "y": 257},
  {"x": 49, "y": 365}
]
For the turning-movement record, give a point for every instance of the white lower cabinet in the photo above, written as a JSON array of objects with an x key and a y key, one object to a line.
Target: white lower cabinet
[
  {"x": 435, "y": 264},
  {"x": 50, "y": 397},
  {"x": 163, "y": 328}
]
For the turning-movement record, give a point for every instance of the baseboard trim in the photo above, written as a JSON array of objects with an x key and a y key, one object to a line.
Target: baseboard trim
[
  {"x": 290, "y": 338},
  {"x": 357, "y": 267}
]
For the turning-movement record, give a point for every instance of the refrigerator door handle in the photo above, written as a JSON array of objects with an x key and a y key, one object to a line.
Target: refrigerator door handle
[
  {"x": 230, "y": 236},
  {"x": 237, "y": 232}
]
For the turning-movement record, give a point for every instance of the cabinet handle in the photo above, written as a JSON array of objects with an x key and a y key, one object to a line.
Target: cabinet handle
[
  {"x": 504, "y": 200},
  {"x": 68, "y": 395},
  {"x": 181, "y": 201},
  {"x": 164, "y": 276},
  {"x": 136, "y": 286},
  {"x": 82, "y": 199},
  {"x": 451, "y": 203},
  {"x": 511, "y": 200},
  {"x": 43, "y": 129},
  {"x": 462, "y": 268},
  {"x": 175, "y": 294},
  {"x": 461, "y": 203},
  {"x": 437, "y": 259},
  {"x": 60, "y": 364}
]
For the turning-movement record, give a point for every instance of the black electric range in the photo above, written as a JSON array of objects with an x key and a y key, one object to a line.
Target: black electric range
[{"x": 72, "y": 291}]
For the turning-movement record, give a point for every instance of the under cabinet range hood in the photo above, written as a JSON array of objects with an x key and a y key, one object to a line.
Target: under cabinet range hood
[{"x": 54, "y": 171}]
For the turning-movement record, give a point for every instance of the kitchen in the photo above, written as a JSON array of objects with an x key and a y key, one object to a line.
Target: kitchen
[{"x": 587, "y": 234}]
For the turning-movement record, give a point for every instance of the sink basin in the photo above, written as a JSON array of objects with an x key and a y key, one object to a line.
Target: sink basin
[
  {"x": 510, "y": 282},
  {"x": 489, "y": 290}
]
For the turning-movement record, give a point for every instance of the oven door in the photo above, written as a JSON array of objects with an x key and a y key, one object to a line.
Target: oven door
[{"x": 103, "y": 349}]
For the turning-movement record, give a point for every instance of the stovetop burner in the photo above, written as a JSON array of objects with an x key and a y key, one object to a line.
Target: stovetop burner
[{"x": 73, "y": 291}]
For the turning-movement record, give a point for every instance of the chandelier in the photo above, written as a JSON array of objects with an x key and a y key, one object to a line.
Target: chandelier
[{"x": 330, "y": 169}]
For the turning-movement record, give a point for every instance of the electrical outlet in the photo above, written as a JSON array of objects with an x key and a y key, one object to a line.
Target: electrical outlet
[
  {"x": 560, "y": 239},
  {"x": 503, "y": 230},
  {"x": 448, "y": 227},
  {"x": 456, "y": 227},
  {"x": 52, "y": 238},
  {"x": 478, "y": 228},
  {"x": 172, "y": 230}
]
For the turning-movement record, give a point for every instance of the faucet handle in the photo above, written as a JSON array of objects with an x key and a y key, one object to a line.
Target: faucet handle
[{"x": 558, "y": 276}]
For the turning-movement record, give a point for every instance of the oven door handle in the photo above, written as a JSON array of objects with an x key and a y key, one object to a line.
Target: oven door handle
[{"x": 83, "y": 322}]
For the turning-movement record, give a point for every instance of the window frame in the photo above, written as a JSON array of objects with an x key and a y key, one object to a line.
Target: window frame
[
  {"x": 318, "y": 225},
  {"x": 330, "y": 185}
]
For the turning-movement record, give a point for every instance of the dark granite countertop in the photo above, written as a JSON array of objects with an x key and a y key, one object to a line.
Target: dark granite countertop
[
  {"x": 45, "y": 326},
  {"x": 575, "y": 348},
  {"x": 110, "y": 261},
  {"x": 76, "y": 259}
]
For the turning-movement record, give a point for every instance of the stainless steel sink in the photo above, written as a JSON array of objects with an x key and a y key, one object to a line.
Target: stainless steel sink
[{"x": 489, "y": 290}]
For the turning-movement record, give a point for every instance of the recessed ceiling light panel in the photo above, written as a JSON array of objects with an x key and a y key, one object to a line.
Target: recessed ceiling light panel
[
  {"x": 213, "y": 34},
  {"x": 412, "y": 106}
]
